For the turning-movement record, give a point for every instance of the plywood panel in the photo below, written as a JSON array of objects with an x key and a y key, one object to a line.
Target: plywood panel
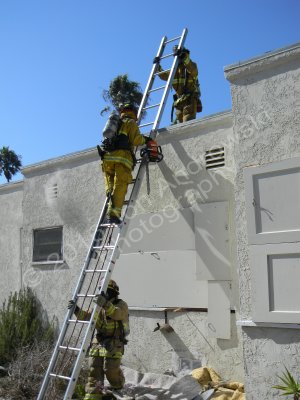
[
  {"x": 218, "y": 319},
  {"x": 171, "y": 229},
  {"x": 212, "y": 241},
  {"x": 160, "y": 279}
]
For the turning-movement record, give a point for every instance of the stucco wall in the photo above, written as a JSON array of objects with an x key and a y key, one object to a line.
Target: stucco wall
[
  {"x": 187, "y": 347},
  {"x": 11, "y": 217},
  {"x": 266, "y": 113},
  {"x": 68, "y": 192},
  {"x": 76, "y": 207}
]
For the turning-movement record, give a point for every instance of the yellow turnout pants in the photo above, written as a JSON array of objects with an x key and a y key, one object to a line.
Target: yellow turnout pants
[
  {"x": 116, "y": 180},
  {"x": 187, "y": 110}
]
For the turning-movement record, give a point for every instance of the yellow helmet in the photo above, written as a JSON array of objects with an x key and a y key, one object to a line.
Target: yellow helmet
[{"x": 113, "y": 286}]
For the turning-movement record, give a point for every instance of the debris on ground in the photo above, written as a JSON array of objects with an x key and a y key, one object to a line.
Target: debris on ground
[
  {"x": 215, "y": 388},
  {"x": 200, "y": 384},
  {"x": 152, "y": 386}
]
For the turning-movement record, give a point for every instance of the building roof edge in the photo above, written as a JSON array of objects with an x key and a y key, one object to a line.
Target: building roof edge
[{"x": 262, "y": 62}]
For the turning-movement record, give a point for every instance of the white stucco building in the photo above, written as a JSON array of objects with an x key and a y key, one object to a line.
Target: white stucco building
[{"x": 214, "y": 250}]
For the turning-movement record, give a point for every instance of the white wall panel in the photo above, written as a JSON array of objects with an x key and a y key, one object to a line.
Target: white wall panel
[
  {"x": 171, "y": 229},
  {"x": 275, "y": 282},
  {"x": 273, "y": 198},
  {"x": 160, "y": 279},
  {"x": 212, "y": 241},
  {"x": 164, "y": 262},
  {"x": 218, "y": 319}
]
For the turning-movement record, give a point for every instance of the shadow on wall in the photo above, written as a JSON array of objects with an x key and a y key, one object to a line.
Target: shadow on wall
[
  {"x": 193, "y": 186},
  {"x": 279, "y": 336}
]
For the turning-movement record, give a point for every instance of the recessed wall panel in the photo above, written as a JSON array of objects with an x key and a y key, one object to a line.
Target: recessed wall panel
[
  {"x": 283, "y": 279},
  {"x": 277, "y": 196},
  {"x": 275, "y": 277},
  {"x": 272, "y": 202}
]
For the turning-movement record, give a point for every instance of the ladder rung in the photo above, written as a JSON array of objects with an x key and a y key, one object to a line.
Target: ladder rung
[
  {"x": 69, "y": 348},
  {"x": 166, "y": 56},
  {"x": 60, "y": 376},
  {"x": 105, "y": 247},
  {"x": 75, "y": 321},
  {"x": 149, "y": 123},
  {"x": 172, "y": 40},
  {"x": 154, "y": 105},
  {"x": 86, "y": 295},
  {"x": 165, "y": 70},
  {"x": 156, "y": 89},
  {"x": 106, "y": 225},
  {"x": 95, "y": 270}
]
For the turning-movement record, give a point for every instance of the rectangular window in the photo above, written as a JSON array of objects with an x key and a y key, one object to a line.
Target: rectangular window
[{"x": 47, "y": 245}]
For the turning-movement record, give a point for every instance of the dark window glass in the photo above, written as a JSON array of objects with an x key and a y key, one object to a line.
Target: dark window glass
[{"x": 47, "y": 244}]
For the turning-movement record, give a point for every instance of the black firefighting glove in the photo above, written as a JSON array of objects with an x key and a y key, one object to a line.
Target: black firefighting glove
[
  {"x": 71, "y": 305},
  {"x": 156, "y": 60},
  {"x": 147, "y": 139},
  {"x": 180, "y": 53},
  {"x": 100, "y": 299}
]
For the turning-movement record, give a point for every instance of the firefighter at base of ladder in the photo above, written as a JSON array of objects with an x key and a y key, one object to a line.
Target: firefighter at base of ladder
[
  {"x": 118, "y": 163},
  {"x": 107, "y": 347},
  {"x": 185, "y": 83}
]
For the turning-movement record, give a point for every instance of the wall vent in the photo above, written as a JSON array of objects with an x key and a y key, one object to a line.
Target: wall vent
[
  {"x": 215, "y": 158},
  {"x": 52, "y": 191}
]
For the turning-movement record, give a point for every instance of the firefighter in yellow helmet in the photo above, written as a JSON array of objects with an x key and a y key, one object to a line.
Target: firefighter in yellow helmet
[
  {"x": 118, "y": 164},
  {"x": 107, "y": 347},
  {"x": 185, "y": 83}
]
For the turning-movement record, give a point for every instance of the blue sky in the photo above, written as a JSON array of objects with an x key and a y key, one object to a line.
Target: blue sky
[{"x": 57, "y": 56}]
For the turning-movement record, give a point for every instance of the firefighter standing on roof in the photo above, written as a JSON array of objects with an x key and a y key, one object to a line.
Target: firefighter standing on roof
[
  {"x": 185, "y": 83},
  {"x": 107, "y": 349},
  {"x": 118, "y": 164}
]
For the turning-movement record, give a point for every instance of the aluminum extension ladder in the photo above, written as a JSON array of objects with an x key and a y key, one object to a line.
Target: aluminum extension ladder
[{"x": 75, "y": 335}]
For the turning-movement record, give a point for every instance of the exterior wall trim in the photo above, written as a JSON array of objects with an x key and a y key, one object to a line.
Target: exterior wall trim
[
  {"x": 11, "y": 187},
  {"x": 252, "y": 324},
  {"x": 262, "y": 63},
  {"x": 68, "y": 160}
]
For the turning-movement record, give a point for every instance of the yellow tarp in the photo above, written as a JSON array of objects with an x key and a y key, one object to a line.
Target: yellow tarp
[{"x": 208, "y": 378}]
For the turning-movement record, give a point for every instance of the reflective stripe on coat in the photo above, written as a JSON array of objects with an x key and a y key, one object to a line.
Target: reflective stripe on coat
[
  {"x": 107, "y": 341},
  {"x": 179, "y": 78}
]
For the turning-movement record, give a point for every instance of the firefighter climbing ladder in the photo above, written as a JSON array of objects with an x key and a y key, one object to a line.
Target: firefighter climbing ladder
[{"x": 75, "y": 336}]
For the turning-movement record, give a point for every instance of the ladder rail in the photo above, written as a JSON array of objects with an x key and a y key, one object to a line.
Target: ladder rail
[
  {"x": 150, "y": 81},
  {"x": 69, "y": 314},
  {"x": 89, "y": 333}
]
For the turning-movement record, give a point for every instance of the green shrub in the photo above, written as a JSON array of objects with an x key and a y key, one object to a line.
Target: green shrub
[
  {"x": 79, "y": 392},
  {"x": 291, "y": 386},
  {"x": 21, "y": 324}
]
